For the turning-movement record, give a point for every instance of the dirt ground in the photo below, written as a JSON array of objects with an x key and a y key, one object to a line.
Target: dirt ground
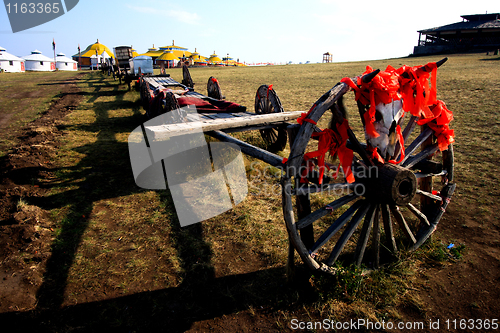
[
  {"x": 26, "y": 228},
  {"x": 467, "y": 289}
]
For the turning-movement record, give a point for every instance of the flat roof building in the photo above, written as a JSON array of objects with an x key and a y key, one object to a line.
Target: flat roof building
[{"x": 476, "y": 33}]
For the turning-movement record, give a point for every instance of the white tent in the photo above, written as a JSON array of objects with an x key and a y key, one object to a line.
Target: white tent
[
  {"x": 36, "y": 61},
  {"x": 9, "y": 62},
  {"x": 64, "y": 63}
]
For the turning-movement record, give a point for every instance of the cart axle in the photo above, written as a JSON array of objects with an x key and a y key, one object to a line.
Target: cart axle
[{"x": 392, "y": 184}]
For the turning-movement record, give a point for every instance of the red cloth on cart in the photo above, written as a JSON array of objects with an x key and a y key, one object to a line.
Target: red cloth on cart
[{"x": 205, "y": 105}]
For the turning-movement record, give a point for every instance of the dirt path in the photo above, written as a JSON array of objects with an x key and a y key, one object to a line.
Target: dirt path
[{"x": 26, "y": 230}]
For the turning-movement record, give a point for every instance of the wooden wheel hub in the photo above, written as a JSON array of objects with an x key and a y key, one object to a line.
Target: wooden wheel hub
[{"x": 393, "y": 184}]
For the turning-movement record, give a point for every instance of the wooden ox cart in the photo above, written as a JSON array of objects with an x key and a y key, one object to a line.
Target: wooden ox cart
[{"x": 381, "y": 203}]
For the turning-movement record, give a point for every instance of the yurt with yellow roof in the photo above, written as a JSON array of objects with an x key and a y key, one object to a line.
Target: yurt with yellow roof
[
  {"x": 10, "y": 63},
  {"x": 153, "y": 52},
  {"x": 214, "y": 60},
  {"x": 195, "y": 59},
  {"x": 178, "y": 51},
  {"x": 168, "y": 59},
  {"x": 96, "y": 51}
]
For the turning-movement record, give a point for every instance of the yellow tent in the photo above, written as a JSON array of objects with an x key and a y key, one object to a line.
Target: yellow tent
[
  {"x": 197, "y": 59},
  {"x": 167, "y": 56},
  {"x": 91, "y": 50},
  {"x": 85, "y": 59},
  {"x": 153, "y": 52},
  {"x": 228, "y": 61},
  {"x": 214, "y": 59},
  {"x": 178, "y": 51}
]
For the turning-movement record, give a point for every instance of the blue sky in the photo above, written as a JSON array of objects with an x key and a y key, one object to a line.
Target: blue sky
[{"x": 251, "y": 31}]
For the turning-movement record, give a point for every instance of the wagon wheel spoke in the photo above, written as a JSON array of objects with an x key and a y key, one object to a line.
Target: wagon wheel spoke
[
  {"x": 265, "y": 135},
  {"x": 410, "y": 126},
  {"x": 389, "y": 233},
  {"x": 339, "y": 246},
  {"x": 427, "y": 152},
  {"x": 365, "y": 234},
  {"x": 273, "y": 134},
  {"x": 336, "y": 226},
  {"x": 429, "y": 195},
  {"x": 376, "y": 237},
  {"x": 316, "y": 215},
  {"x": 422, "y": 137},
  {"x": 425, "y": 175},
  {"x": 402, "y": 223},
  {"x": 418, "y": 214}
]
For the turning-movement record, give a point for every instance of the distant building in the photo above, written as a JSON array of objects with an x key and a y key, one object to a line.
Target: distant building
[
  {"x": 178, "y": 51},
  {"x": 327, "y": 57},
  {"x": 153, "y": 52},
  {"x": 476, "y": 33},
  {"x": 10, "y": 63},
  {"x": 36, "y": 61},
  {"x": 64, "y": 63},
  {"x": 172, "y": 53},
  {"x": 93, "y": 54},
  {"x": 168, "y": 59},
  {"x": 195, "y": 59},
  {"x": 215, "y": 60}
]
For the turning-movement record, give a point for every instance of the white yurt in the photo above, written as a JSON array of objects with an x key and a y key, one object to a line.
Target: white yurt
[
  {"x": 64, "y": 63},
  {"x": 36, "y": 61},
  {"x": 10, "y": 63}
]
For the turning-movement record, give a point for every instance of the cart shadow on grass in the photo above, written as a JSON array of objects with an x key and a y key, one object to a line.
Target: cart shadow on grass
[{"x": 105, "y": 173}]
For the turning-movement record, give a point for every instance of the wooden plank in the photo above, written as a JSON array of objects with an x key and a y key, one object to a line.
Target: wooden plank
[
  {"x": 219, "y": 123},
  {"x": 248, "y": 128}
]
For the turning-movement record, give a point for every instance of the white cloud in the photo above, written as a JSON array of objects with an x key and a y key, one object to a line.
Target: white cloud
[
  {"x": 179, "y": 15},
  {"x": 183, "y": 16}
]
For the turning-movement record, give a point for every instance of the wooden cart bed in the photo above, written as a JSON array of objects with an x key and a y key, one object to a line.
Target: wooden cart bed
[{"x": 226, "y": 122}]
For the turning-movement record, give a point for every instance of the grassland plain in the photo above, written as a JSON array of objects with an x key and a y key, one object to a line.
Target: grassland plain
[{"x": 115, "y": 257}]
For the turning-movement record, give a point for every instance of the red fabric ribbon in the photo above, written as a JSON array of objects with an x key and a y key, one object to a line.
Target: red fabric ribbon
[
  {"x": 415, "y": 90},
  {"x": 335, "y": 143},
  {"x": 268, "y": 89},
  {"x": 304, "y": 115},
  {"x": 439, "y": 123},
  {"x": 411, "y": 84},
  {"x": 374, "y": 154},
  {"x": 383, "y": 88}
]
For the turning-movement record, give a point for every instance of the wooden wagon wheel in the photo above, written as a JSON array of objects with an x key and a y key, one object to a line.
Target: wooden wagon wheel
[
  {"x": 213, "y": 89},
  {"x": 170, "y": 110},
  {"x": 144, "y": 94},
  {"x": 413, "y": 194},
  {"x": 186, "y": 77},
  {"x": 267, "y": 101}
]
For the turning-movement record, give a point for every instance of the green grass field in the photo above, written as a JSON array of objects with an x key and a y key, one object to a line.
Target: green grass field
[{"x": 118, "y": 246}]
